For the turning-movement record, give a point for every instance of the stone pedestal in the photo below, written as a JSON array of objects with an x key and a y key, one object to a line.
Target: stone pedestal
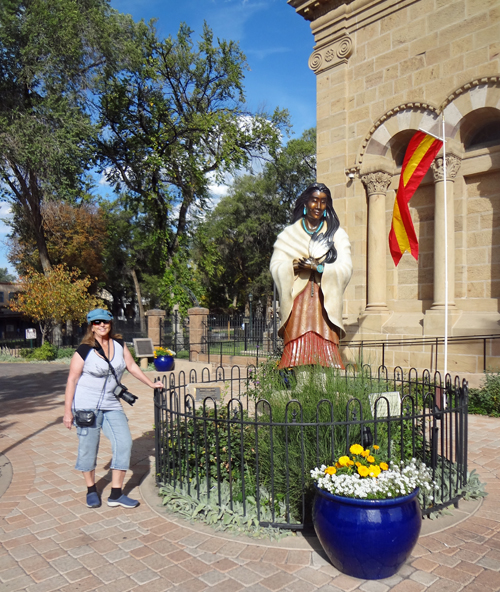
[{"x": 197, "y": 330}]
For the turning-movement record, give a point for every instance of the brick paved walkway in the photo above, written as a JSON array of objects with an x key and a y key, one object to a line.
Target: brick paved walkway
[{"x": 50, "y": 540}]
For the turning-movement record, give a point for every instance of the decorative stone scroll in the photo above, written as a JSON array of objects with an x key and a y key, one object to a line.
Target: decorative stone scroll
[
  {"x": 377, "y": 183},
  {"x": 331, "y": 55},
  {"x": 452, "y": 167}
]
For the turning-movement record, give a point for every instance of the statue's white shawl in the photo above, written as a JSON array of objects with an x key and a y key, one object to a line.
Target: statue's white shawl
[{"x": 293, "y": 243}]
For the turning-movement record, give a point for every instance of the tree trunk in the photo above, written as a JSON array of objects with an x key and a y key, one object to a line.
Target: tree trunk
[{"x": 142, "y": 316}]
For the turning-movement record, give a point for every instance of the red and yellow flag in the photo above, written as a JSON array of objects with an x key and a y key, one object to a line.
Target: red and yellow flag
[{"x": 420, "y": 153}]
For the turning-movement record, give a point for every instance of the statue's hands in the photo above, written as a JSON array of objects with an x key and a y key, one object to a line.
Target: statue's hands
[{"x": 303, "y": 264}]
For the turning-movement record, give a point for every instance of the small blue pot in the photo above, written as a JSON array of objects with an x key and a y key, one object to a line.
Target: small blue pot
[
  {"x": 164, "y": 363},
  {"x": 367, "y": 539}
]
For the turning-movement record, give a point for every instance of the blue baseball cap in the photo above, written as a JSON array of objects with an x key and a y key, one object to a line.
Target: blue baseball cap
[{"x": 99, "y": 314}]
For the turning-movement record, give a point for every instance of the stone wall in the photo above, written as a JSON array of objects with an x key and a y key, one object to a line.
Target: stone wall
[{"x": 384, "y": 69}]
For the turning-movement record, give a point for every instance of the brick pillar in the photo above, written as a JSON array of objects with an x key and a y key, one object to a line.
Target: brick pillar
[
  {"x": 155, "y": 318},
  {"x": 197, "y": 336}
]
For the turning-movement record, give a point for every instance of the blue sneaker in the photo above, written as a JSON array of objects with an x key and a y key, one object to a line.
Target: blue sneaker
[
  {"x": 123, "y": 501},
  {"x": 93, "y": 500}
]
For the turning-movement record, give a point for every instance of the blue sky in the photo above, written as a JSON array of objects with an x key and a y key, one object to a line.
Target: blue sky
[{"x": 276, "y": 41}]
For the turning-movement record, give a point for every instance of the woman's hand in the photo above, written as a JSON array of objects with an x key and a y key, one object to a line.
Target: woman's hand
[
  {"x": 68, "y": 419},
  {"x": 158, "y": 384}
]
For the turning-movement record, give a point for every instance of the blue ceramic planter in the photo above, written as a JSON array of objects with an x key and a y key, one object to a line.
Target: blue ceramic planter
[
  {"x": 164, "y": 363},
  {"x": 368, "y": 539}
]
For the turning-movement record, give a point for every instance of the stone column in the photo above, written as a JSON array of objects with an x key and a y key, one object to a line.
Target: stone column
[
  {"x": 377, "y": 184},
  {"x": 155, "y": 318},
  {"x": 197, "y": 336},
  {"x": 452, "y": 166}
]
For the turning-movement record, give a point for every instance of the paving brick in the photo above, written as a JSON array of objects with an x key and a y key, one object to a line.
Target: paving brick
[
  {"x": 277, "y": 581},
  {"x": 489, "y": 579},
  {"x": 176, "y": 575},
  {"x": 263, "y": 569},
  {"x": 145, "y": 576},
  {"x": 424, "y": 577},
  {"x": 409, "y": 586},
  {"x": 373, "y": 586},
  {"x": 244, "y": 575},
  {"x": 313, "y": 576},
  {"x": 77, "y": 574}
]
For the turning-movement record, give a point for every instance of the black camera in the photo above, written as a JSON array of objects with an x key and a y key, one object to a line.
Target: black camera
[{"x": 121, "y": 392}]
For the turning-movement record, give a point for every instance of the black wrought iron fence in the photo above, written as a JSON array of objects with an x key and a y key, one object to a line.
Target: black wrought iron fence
[
  {"x": 174, "y": 332},
  {"x": 248, "y": 452}
]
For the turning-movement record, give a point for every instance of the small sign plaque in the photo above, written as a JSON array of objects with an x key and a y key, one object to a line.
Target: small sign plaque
[
  {"x": 144, "y": 348},
  {"x": 30, "y": 333},
  {"x": 394, "y": 400},
  {"x": 202, "y": 392}
]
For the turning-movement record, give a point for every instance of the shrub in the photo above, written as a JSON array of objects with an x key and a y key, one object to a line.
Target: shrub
[
  {"x": 46, "y": 353},
  {"x": 131, "y": 349},
  {"x": 486, "y": 400},
  {"x": 65, "y": 352},
  {"x": 183, "y": 355}
]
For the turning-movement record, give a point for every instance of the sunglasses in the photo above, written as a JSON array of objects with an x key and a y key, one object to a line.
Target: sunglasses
[{"x": 100, "y": 322}]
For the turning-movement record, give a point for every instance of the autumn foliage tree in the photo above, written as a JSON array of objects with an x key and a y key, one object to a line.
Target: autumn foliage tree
[
  {"x": 75, "y": 236},
  {"x": 55, "y": 297}
]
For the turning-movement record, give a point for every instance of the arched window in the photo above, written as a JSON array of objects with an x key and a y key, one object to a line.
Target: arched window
[{"x": 480, "y": 129}]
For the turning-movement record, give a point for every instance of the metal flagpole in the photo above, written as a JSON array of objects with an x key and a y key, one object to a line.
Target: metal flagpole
[{"x": 443, "y": 139}]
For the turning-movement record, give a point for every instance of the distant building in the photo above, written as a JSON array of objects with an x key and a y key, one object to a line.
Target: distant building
[
  {"x": 12, "y": 324},
  {"x": 384, "y": 69}
]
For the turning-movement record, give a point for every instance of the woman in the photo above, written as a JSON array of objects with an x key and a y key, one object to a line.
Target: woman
[
  {"x": 90, "y": 387},
  {"x": 311, "y": 266}
]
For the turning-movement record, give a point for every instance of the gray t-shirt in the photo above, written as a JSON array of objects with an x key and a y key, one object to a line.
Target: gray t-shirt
[{"x": 96, "y": 384}]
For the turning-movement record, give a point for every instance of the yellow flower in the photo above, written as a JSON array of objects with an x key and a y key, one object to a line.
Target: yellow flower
[
  {"x": 330, "y": 470},
  {"x": 375, "y": 447},
  {"x": 363, "y": 471},
  {"x": 374, "y": 470},
  {"x": 344, "y": 461},
  {"x": 370, "y": 459},
  {"x": 350, "y": 463},
  {"x": 356, "y": 449},
  {"x": 365, "y": 453},
  {"x": 358, "y": 464},
  {"x": 384, "y": 466}
]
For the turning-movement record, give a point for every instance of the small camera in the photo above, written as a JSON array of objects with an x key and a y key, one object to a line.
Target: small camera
[{"x": 121, "y": 392}]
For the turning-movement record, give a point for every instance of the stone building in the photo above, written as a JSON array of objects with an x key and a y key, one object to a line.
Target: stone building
[{"x": 384, "y": 69}]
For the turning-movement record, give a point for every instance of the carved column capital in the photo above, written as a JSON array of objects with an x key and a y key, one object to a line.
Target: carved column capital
[
  {"x": 377, "y": 182},
  {"x": 453, "y": 163},
  {"x": 328, "y": 56}
]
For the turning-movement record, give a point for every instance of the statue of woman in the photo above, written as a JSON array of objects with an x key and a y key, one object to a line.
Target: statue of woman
[{"x": 311, "y": 266}]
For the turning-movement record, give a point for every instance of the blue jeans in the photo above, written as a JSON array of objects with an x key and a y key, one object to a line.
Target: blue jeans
[{"x": 114, "y": 424}]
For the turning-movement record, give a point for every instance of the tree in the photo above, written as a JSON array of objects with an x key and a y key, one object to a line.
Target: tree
[
  {"x": 234, "y": 244},
  {"x": 50, "y": 53},
  {"x": 131, "y": 255},
  {"x": 175, "y": 118},
  {"x": 5, "y": 276},
  {"x": 54, "y": 297},
  {"x": 75, "y": 236}
]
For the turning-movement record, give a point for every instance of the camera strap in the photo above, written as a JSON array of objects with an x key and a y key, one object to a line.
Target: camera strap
[{"x": 100, "y": 351}]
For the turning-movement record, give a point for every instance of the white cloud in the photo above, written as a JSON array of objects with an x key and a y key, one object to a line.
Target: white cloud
[
  {"x": 266, "y": 52},
  {"x": 5, "y": 210}
]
